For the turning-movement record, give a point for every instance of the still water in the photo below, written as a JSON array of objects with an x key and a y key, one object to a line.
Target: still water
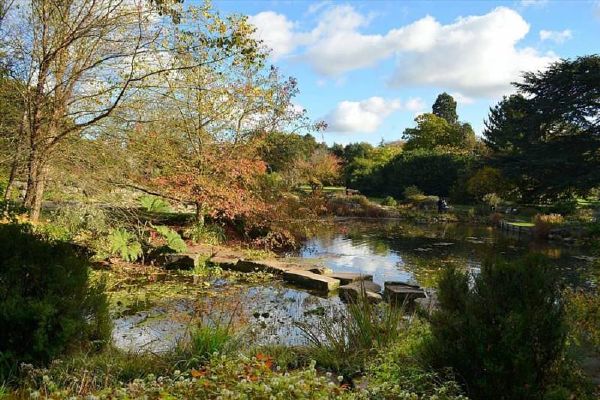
[{"x": 390, "y": 251}]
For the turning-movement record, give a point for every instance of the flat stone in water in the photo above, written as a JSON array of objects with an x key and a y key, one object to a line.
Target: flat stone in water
[
  {"x": 311, "y": 280},
  {"x": 351, "y": 291},
  {"x": 349, "y": 277},
  {"x": 400, "y": 292}
]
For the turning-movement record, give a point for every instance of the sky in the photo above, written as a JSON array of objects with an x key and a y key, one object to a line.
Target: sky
[{"x": 368, "y": 68}]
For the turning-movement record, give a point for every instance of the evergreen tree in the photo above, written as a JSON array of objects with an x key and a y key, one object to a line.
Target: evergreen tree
[{"x": 445, "y": 107}]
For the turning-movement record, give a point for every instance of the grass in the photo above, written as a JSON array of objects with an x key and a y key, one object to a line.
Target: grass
[
  {"x": 522, "y": 224},
  {"x": 344, "y": 344}
]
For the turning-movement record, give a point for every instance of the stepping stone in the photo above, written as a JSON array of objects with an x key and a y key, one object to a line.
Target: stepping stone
[
  {"x": 178, "y": 260},
  {"x": 401, "y": 292},
  {"x": 349, "y": 277},
  {"x": 224, "y": 261},
  {"x": 270, "y": 266},
  {"x": 311, "y": 280},
  {"x": 316, "y": 269},
  {"x": 352, "y": 291}
]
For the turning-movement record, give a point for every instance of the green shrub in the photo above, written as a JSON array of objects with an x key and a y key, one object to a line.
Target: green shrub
[
  {"x": 125, "y": 244},
  {"x": 564, "y": 207},
  {"x": 173, "y": 242},
  {"x": 389, "y": 201},
  {"x": 397, "y": 372},
  {"x": 46, "y": 300},
  {"x": 205, "y": 233},
  {"x": 504, "y": 334},
  {"x": 154, "y": 204},
  {"x": 411, "y": 191}
]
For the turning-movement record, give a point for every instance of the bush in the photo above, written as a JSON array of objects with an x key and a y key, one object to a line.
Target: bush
[
  {"x": 564, "y": 206},
  {"x": 389, "y": 201},
  {"x": 411, "y": 191},
  {"x": 155, "y": 204},
  {"x": 46, "y": 301},
  {"x": 125, "y": 245},
  {"x": 543, "y": 224},
  {"x": 504, "y": 334},
  {"x": 200, "y": 232}
]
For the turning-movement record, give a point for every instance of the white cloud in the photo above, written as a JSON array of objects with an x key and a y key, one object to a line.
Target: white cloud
[
  {"x": 415, "y": 104},
  {"x": 276, "y": 31},
  {"x": 366, "y": 116},
  {"x": 461, "y": 98},
  {"x": 556, "y": 36},
  {"x": 475, "y": 55}
]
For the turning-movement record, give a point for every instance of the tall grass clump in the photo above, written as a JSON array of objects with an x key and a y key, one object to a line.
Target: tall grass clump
[
  {"x": 344, "y": 343},
  {"x": 544, "y": 223},
  {"x": 47, "y": 303},
  {"x": 503, "y": 333}
]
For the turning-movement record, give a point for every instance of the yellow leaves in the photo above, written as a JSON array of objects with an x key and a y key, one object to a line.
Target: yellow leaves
[{"x": 198, "y": 373}]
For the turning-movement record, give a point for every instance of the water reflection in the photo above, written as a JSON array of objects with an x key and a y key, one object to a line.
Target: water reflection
[{"x": 403, "y": 251}]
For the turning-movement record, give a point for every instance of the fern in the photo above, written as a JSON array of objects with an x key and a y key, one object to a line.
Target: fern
[
  {"x": 125, "y": 245},
  {"x": 155, "y": 204},
  {"x": 174, "y": 241}
]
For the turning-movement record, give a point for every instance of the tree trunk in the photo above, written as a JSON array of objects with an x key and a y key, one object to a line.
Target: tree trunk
[
  {"x": 36, "y": 181},
  {"x": 11, "y": 179}
]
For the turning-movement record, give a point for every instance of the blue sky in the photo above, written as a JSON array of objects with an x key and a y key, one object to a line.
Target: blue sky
[{"x": 369, "y": 67}]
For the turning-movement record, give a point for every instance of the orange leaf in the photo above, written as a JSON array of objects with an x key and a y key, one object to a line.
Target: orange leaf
[{"x": 198, "y": 373}]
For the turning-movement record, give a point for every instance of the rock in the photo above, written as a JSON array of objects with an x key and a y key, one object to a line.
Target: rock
[
  {"x": 178, "y": 260},
  {"x": 429, "y": 303},
  {"x": 224, "y": 262},
  {"x": 311, "y": 280},
  {"x": 352, "y": 291},
  {"x": 270, "y": 266},
  {"x": 401, "y": 292},
  {"x": 349, "y": 277}
]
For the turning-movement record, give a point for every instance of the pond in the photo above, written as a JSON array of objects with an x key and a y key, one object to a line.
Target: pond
[{"x": 269, "y": 312}]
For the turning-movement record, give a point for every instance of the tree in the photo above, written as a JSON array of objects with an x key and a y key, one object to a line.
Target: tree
[
  {"x": 79, "y": 60},
  {"x": 547, "y": 137},
  {"x": 281, "y": 149},
  {"x": 198, "y": 137},
  {"x": 321, "y": 168},
  {"x": 486, "y": 181},
  {"x": 445, "y": 107},
  {"x": 434, "y": 132},
  {"x": 435, "y": 172}
]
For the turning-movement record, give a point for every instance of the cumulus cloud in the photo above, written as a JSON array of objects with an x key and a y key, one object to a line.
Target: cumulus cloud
[
  {"x": 461, "y": 98},
  {"x": 276, "y": 31},
  {"x": 476, "y": 55},
  {"x": 556, "y": 36},
  {"x": 366, "y": 116}
]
